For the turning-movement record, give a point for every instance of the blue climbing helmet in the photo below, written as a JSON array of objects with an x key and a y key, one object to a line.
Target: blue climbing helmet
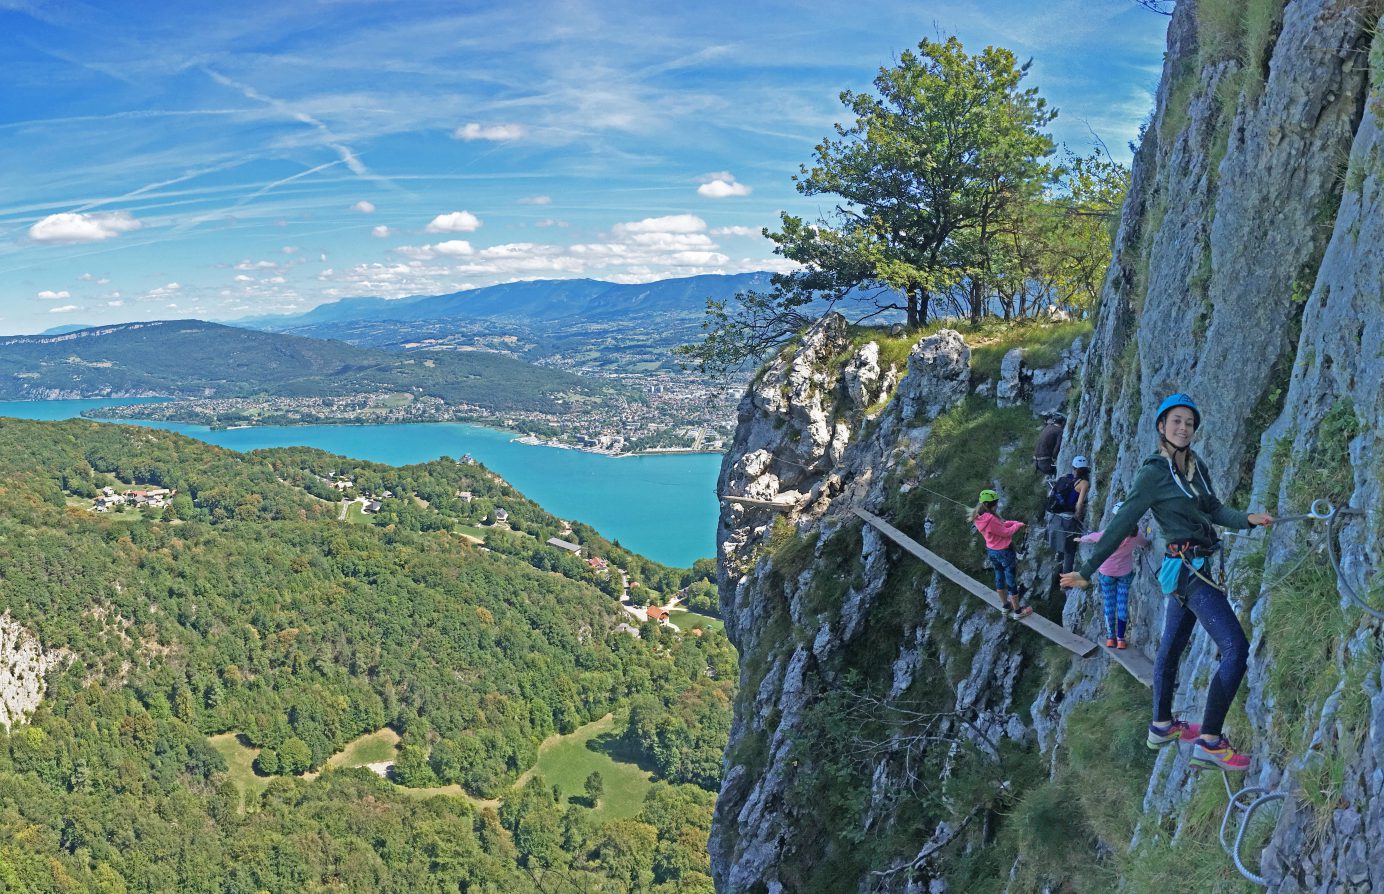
[{"x": 1179, "y": 400}]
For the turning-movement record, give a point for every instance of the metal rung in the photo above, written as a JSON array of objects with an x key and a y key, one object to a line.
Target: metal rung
[{"x": 1232, "y": 849}]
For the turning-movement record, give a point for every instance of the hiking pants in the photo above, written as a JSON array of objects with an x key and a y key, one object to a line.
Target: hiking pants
[
  {"x": 1201, "y": 603},
  {"x": 1005, "y": 562},
  {"x": 1061, "y": 528},
  {"x": 1116, "y": 593}
]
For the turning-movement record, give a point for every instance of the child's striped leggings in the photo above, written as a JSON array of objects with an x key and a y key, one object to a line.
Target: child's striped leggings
[{"x": 1116, "y": 593}]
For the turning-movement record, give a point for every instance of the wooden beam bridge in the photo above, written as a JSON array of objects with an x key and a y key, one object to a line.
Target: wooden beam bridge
[
  {"x": 773, "y": 505},
  {"x": 1138, "y": 666}
]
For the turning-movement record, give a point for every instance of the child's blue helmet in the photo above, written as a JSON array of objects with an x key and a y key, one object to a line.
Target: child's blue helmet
[{"x": 1179, "y": 400}]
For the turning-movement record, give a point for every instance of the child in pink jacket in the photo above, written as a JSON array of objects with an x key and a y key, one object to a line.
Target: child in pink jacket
[
  {"x": 999, "y": 539},
  {"x": 1116, "y": 573}
]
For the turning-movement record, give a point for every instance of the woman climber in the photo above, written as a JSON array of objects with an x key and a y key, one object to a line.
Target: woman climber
[
  {"x": 1174, "y": 484},
  {"x": 999, "y": 539},
  {"x": 1115, "y": 574},
  {"x": 1067, "y": 507}
]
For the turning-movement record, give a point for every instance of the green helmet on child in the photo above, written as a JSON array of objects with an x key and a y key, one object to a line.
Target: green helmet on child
[{"x": 989, "y": 496}]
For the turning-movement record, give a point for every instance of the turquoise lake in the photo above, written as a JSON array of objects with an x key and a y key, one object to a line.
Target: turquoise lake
[{"x": 663, "y": 507}]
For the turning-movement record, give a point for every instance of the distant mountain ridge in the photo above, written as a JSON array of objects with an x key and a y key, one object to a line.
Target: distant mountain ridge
[{"x": 531, "y": 301}]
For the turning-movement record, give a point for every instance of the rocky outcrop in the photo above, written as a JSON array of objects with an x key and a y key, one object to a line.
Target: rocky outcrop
[
  {"x": 24, "y": 664},
  {"x": 803, "y": 431},
  {"x": 1044, "y": 388}
]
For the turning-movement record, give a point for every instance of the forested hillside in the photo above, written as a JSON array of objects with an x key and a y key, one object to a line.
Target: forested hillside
[
  {"x": 192, "y": 358},
  {"x": 246, "y": 606}
]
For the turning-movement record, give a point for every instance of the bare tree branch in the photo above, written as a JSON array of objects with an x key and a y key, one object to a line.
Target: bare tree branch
[{"x": 1162, "y": 7}]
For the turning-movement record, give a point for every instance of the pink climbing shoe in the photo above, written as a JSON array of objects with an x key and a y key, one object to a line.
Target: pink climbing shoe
[
  {"x": 1179, "y": 729},
  {"x": 1218, "y": 755}
]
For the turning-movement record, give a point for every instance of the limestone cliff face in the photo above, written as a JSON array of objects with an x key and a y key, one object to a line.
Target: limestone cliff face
[
  {"x": 806, "y": 440},
  {"x": 1249, "y": 272},
  {"x": 1263, "y": 297},
  {"x": 24, "y": 664}
]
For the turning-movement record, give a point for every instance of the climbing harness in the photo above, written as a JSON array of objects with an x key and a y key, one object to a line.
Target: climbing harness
[{"x": 1186, "y": 554}]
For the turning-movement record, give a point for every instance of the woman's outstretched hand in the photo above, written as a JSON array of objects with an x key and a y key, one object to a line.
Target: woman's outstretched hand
[
  {"x": 1261, "y": 520},
  {"x": 1074, "y": 580}
]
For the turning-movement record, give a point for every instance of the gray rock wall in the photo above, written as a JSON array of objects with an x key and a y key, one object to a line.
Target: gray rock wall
[
  {"x": 24, "y": 664},
  {"x": 1277, "y": 325},
  {"x": 1249, "y": 271}
]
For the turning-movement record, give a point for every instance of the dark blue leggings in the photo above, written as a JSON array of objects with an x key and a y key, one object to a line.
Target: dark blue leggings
[{"x": 1208, "y": 605}]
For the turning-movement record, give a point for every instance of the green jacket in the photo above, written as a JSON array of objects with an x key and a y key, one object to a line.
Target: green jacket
[{"x": 1185, "y": 510}]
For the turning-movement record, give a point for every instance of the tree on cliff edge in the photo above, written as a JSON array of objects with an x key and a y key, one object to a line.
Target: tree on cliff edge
[{"x": 938, "y": 158}]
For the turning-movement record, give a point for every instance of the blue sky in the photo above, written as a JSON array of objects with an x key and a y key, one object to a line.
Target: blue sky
[{"x": 218, "y": 160}]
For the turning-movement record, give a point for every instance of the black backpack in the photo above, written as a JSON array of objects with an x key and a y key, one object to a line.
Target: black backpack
[{"x": 1063, "y": 496}]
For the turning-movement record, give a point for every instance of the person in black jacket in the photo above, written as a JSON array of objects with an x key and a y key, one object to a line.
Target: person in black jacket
[{"x": 1049, "y": 444}]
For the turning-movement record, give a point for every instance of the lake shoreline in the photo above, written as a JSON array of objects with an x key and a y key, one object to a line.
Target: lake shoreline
[{"x": 661, "y": 505}]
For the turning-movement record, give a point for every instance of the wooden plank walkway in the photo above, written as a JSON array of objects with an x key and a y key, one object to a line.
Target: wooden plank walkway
[
  {"x": 1077, "y": 645},
  {"x": 1132, "y": 660},
  {"x": 759, "y": 504}
]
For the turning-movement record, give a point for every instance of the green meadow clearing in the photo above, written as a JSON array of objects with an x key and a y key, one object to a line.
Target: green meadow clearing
[
  {"x": 566, "y": 761},
  {"x": 563, "y": 761},
  {"x": 686, "y": 620}
]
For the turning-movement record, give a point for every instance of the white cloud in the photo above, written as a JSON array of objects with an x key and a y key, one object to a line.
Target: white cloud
[
  {"x": 289, "y": 249},
  {"x": 455, "y": 222},
  {"x": 65, "y": 309},
  {"x": 364, "y": 207},
  {"x": 380, "y": 232},
  {"x": 721, "y": 185},
  {"x": 551, "y": 222},
  {"x": 454, "y": 248},
  {"x": 676, "y": 223},
  {"x": 116, "y": 303},
  {"x": 86, "y": 277},
  {"x": 50, "y": 295},
  {"x": 165, "y": 291},
  {"x": 243, "y": 278},
  {"x": 536, "y": 200},
  {"x": 736, "y": 231},
  {"x": 257, "y": 265},
  {"x": 494, "y": 132},
  {"x": 667, "y": 241},
  {"x": 276, "y": 280},
  {"x": 631, "y": 252},
  {"x": 72, "y": 227}
]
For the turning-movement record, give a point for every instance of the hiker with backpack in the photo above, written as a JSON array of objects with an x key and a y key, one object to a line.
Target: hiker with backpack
[
  {"x": 1176, "y": 486},
  {"x": 999, "y": 547},
  {"x": 1067, "y": 508},
  {"x": 1049, "y": 444},
  {"x": 1114, "y": 576}
]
